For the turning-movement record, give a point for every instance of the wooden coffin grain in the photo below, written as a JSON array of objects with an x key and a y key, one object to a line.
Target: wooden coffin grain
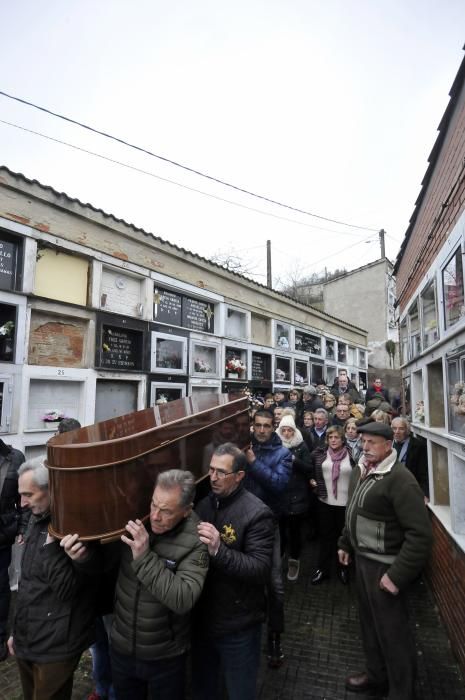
[{"x": 102, "y": 475}]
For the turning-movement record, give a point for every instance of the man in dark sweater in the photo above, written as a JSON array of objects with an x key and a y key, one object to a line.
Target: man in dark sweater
[
  {"x": 238, "y": 529},
  {"x": 388, "y": 531}
]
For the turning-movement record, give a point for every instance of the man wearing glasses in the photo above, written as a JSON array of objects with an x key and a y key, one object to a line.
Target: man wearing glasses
[{"x": 238, "y": 529}]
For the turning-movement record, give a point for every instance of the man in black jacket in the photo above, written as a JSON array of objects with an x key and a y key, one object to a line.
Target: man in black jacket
[
  {"x": 239, "y": 530},
  {"x": 54, "y": 619},
  {"x": 411, "y": 451},
  {"x": 12, "y": 523}
]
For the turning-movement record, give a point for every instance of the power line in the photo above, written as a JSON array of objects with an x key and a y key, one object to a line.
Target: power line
[
  {"x": 168, "y": 180},
  {"x": 180, "y": 165}
]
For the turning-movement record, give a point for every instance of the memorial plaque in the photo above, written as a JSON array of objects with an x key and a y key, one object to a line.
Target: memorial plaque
[
  {"x": 8, "y": 264},
  {"x": 198, "y": 315},
  {"x": 121, "y": 348},
  {"x": 305, "y": 342},
  {"x": 167, "y": 307},
  {"x": 260, "y": 366}
]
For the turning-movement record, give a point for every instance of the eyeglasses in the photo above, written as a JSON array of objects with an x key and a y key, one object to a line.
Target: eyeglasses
[{"x": 220, "y": 474}]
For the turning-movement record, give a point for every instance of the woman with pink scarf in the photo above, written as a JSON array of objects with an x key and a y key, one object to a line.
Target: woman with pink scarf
[{"x": 332, "y": 466}]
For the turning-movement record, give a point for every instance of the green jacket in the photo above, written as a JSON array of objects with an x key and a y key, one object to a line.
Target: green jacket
[
  {"x": 387, "y": 520},
  {"x": 155, "y": 594}
]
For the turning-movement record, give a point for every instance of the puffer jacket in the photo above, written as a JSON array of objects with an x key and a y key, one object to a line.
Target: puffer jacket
[
  {"x": 234, "y": 595},
  {"x": 55, "y": 609},
  {"x": 156, "y": 592},
  {"x": 268, "y": 476},
  {"x": 13, "y": 519}
]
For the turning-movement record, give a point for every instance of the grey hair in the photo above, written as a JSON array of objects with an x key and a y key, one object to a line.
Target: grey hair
[
  {"x": 178, "y": 479},
  {"x": 404, "y": 420},
  {"x": 321, "y": 411},
  {"x": 68, "y": 424},
  {"x": 38, "y": 469},
  {"x": 239, "y": 459}
]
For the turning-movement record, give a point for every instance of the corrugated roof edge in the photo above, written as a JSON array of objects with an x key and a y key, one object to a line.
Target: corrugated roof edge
[
  {"x": 137, "y": 229},
  {"x": 433, "y": 156}
]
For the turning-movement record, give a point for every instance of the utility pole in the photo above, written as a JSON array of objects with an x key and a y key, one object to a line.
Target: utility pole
[
  {"x": 269, "y": 282},
  {"x": 381, "y": 243}
]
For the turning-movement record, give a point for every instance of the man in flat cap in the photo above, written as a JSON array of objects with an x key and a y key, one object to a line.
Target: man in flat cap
[{"x": 388, "y": 532}]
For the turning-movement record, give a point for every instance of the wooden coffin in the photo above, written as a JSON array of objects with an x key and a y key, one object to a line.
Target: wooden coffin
[{"x": 102, "y": 475}]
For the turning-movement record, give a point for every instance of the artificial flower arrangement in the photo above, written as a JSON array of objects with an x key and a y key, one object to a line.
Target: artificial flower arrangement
[
  {"x": 201, "y": 365},
  {"x": 53, "y": 416},
  {"x": 420, "y": 411},
  {"x": 7, "y": 328},
  {"x": 457, "y": 399},
  {"x": 235, "y": 365}
]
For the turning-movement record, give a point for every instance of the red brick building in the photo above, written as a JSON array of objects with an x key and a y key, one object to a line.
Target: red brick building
[{"x": 431, "y": 299}]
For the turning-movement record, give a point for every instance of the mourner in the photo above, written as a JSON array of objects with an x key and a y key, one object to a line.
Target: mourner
[
  {"x": 411, "y": 451},
  {"x": 161, "y": 575},
  {"x": 54, "y": 621},
  {"x": 388, "y": 557},
  {"x": 13, "y": 522},
  {"x": 268, "y": 474},
  {"x": 238, "y": 529}
]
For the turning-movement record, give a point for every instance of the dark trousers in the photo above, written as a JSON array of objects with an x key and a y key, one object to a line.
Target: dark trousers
[
  {"x": 163, "y": 679},
  {"x": 235, "y": 656},
  {"x": 387, "y": 640},
  {"x": 330, "y": 524},
  {"x": 47, "y": 681},
  {"x": 5, "y": 559},
  {"x": 291, "y": 534},
  {"x": 101, "y": 666},
  {"x": 275, "y": 589}
]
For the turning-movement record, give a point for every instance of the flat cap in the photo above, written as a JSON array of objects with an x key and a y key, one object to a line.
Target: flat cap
[{"x": 375, "y": 428}]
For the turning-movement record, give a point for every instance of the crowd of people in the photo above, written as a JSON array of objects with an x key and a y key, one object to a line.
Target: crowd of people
[{"x": 200, "y": 578}]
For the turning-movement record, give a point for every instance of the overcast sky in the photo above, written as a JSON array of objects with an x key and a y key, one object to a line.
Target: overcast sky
[{"x": 329, "y": 106}]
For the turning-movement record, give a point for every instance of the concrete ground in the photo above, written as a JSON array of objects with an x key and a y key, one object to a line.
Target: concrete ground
[{"x": 322, "y": 645}]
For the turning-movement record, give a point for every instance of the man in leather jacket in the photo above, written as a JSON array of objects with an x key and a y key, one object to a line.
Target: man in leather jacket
[
  {"x": 12, "y": 524},
  {"x": 238, "y": 529}
]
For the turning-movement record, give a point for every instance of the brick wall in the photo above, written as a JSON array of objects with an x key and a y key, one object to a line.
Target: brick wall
[
  {"x": 56, "y": 342},
  {"x": 446, "y": 574},
  {"x": 446, "y": 185}
]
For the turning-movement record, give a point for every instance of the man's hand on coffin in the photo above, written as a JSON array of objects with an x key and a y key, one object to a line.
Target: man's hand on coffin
[
  {"x": 139, "y": 538},
  {"x": 76, "y": 550},
  {"x": 209, "y": 535}
]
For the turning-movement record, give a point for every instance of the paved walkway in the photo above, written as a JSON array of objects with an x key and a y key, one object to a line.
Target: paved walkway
[{"x": 322, "y": 645}]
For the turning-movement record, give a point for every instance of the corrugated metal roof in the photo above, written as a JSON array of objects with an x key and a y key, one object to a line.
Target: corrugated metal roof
[{"x": 184, "y": 251}]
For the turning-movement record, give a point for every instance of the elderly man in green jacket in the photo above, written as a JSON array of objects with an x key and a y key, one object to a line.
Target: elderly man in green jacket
[
  {"x": 161, "y": 575},
  {"x": 388, "y": 531}
]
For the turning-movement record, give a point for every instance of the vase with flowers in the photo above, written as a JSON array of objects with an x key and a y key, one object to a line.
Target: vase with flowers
[
  {"x": 235, "y": 367},
  {"x": 51, "y": 417}
]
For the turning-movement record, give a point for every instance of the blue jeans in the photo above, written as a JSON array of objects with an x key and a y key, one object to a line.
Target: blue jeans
[
  {"x": 101, "y": 665},
  {"x": 235, "y": 656},
  {"x": 5, "y": 559},
  {"x": 133, "y": 679}
]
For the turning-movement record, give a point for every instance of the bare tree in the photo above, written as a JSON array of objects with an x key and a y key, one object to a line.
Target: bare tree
[{"x": 232, "y": 262}]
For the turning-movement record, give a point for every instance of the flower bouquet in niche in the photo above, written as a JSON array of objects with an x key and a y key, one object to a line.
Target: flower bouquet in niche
[
  {"x": 53, "y": 416},
  {"x": 420, "y": 411},
  {"x": 7, "y": 328},
  {"x": 234, "y": 366},
  {"x": 201, "y": 365}
]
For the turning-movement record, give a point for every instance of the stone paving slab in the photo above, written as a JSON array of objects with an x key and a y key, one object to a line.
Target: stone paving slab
[{"x": 322, "y": 646}]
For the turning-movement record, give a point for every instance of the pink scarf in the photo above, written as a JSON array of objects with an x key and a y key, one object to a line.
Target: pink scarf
[{"x": 336, "y": 458}]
